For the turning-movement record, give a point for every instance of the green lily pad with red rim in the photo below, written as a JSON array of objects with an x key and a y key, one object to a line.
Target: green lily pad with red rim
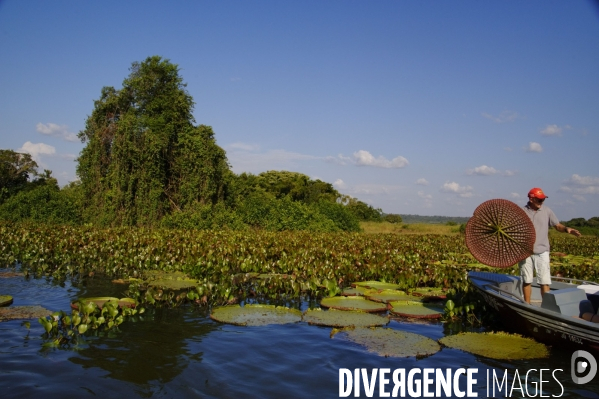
[
  {"x": 393, "y": 343},
  {"x": 354, "y": 291},
  {"x": 343, "y": 318},
  {"x": 417, "y": 310},
  {"x": 430, "y": 293},
  {"x": 385, "y": 296},
  {"x": 376, "y": 285},
  {"x": 497, "y": 345},
  {"x": 23, "y": 312},
  {"x": 255, "y": 315},
  {"x": 5, "y": 300},
  {"x": 353, "y": 303}
]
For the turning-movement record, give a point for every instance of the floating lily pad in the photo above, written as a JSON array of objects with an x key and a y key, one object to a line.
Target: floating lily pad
[
  {"x": 255, "y": 315},
  {"x": 352, "y": 303},
  {"x": 417, "y": 310},
  {"x": 10, "y": 274},
  {"x": 385, "y": 295},
  {"x": 377, "y": 285},
  {"x": 354, "y": 291},
  {"x": 172, "y": 284},
  {"x": 5, "y": 300},
  {"x": 498, "y": 345},
  {"x": 343, "y": 318},
  {"x": 266, "y": 276},
  {"x": 162, "y": 275},
  {"x": 23, "y": 312},
  {"x": 100, "y": 301},
  {"x": 125, "y": 280},
  {"x": 430, "y": 293},
  {"x": 387, "y": 342}
]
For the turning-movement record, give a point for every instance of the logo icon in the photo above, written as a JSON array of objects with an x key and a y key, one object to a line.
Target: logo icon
[{"x": 580, "y": 367}]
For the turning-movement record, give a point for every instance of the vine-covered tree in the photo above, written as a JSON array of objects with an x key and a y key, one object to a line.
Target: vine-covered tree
[
  {"x": 144, "y": 158},
  {"x": 15, "y": 171}
]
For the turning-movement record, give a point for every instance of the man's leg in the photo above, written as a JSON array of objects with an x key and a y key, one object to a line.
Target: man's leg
[
  {"x": 527, "y": 290},
  {"x": 544, "y": 289}
]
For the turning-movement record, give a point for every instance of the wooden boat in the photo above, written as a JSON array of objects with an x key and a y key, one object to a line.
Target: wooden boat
[{"x": 552, "y": 319}]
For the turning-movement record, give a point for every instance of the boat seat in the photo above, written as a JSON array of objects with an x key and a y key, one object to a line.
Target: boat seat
[
  {"x": 503, "y": 281},
  {"x": 565, "y": 301}
]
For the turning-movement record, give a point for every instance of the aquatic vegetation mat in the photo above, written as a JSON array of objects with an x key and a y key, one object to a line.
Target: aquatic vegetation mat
[
  {"x": 5, "y": 300},
  {"x": 393, "y": 343},
  {"x": 499, "y": 345},
  {"x": 343, "y": 318},
  {"x": 499, "y": 233},
  {"x": 353, "y": 303},
  {"x": 23, "y": 312},
  {"x": 255, "y": 315},
  {"x": 417, "y": 310}
]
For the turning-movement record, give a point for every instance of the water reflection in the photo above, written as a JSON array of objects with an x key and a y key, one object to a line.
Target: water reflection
[{"x": 154, "y": 349}]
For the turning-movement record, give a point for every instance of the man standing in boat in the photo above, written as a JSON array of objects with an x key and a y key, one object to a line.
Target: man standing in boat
[{"x": 542, "y": 218}]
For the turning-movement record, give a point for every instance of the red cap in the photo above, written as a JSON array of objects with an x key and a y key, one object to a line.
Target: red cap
[{"x": 537, "y": 193}]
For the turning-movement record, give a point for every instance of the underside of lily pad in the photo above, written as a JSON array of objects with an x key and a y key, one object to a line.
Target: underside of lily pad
[
  {"x": 498, "y": 345},
  {"x": 255, "y": 315},
  {"x": 377, "y": 285},
  {"x": 343, "y": 318},
  {"x": 353, "y": 303},
  {"x": 10, "y": 274},
  {"x": 5, "y": 300},
  {"x": 417, "y": 310},
  {"x": 23, "y": 312},
  {"x": 100, "y": 301},
  {"x": 393, "y": 343}
]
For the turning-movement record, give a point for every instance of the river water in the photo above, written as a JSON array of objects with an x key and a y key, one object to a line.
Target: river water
[{"x": 182, "y": 353}]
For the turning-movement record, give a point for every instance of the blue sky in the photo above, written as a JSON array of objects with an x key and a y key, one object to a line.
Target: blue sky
[{"x": 415, "y": 107}]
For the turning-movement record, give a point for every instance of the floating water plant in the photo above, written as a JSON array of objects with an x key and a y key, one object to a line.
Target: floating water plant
[
  {"x": 353, "y": 291},
  {"x": 255, "y": 315},
  {"x": 100, "y": 301},
  {"x": 343, "y": 318},
  {"x": 385, "y": 295},
  {"x": 393, "y": 343},
  {"x": 498, "y": 345},
  {"x": 417, "y": 310},
  {"x": 353, "y": 303},
  {"x": 5, "y": 300},
  {"x": 377, "y": 285},
  {"x": 429, "y": 293},
  {"x": 23, "y": 312}
]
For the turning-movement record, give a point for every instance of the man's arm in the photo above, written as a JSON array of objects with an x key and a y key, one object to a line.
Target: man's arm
[{"x": 563, "y": 229}]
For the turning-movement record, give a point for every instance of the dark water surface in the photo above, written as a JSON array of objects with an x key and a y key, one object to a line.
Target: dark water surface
[{"x": 182, "y": 353}]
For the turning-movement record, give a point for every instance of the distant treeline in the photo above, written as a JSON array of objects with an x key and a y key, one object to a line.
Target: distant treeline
[
  {"x": 434, "y": 219},
  {"x": 586, "y": 227}
]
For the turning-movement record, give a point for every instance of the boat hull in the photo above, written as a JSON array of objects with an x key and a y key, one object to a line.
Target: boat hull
[{"x": 544, "y": 325}]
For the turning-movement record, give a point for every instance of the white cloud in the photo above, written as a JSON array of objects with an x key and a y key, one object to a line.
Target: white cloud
[
  {"x": 455, "y": 188},
  {"x": 54, "y": 130},
  {"x": 510, "y": 172},
  {"x": 505, "y": 116},
  {"x": 534, "y": 147},
  {"x": 427, "y": 199},
  {"x": 364, "y": 158},
  {"x": 580, "y": 185},
  {"x": 515, "y": 195},
  {"x": 482, "y": 170},
  {"x": 552, "y": 130},
  {"x": 422, "y": 182},
  {"x": 244, "y": 146},
  {"x": 37, "y": 149},
  {"x": 339, "y": 184}
]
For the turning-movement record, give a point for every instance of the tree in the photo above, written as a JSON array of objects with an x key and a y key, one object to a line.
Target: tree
[
  {"x": 144, "y": 158},
  {"x": 15, "y": 171}
]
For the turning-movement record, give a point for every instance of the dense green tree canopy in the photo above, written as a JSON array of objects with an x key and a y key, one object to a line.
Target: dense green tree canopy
[
  {"x": 15, "y": 171},
  {"x": 144, "y": 157}
]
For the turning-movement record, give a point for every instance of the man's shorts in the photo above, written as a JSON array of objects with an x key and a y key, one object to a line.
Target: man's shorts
[{"x": 540, "y": 263}]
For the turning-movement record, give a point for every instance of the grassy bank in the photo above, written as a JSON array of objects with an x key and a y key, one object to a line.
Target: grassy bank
[{"x": 412, "y": 228}]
